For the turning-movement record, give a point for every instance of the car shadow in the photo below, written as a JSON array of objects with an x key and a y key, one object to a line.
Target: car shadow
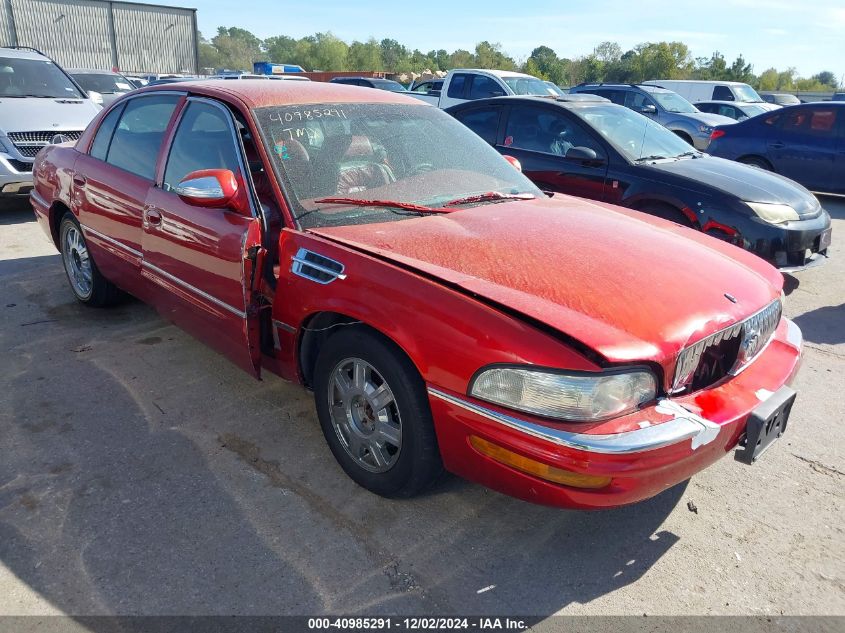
[
  {"x": 835, "y": 206},
  {"x": 823, "y": 325},
  {"x": 790, "y": 283},
  {"x": 144, "y": 475},
  {"x": 15, "y": 211}
]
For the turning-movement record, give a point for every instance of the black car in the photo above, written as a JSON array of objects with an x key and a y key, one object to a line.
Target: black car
[
  {"x": 608, "y": 152},
  {"x": 371, "y": 82}
]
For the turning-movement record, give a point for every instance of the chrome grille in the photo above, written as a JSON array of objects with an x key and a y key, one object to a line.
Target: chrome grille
[
  {"x": 753, "y": 333},
  {"x": 30, "y": 143}
]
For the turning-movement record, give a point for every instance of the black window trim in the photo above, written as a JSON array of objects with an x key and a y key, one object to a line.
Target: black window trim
[
  {"x": 119, "y": 108},
  {"x": 478, "y": 106},
  {"x": 246, "y": 176}
]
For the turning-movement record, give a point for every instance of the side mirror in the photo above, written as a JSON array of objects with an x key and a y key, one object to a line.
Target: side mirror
[
  {"x": 580, "y": 152},
  {"x": 211, "y": 188},
  {"x": 497, "y": 93},
  {"x": 648, "y": 109},
  {"x": 514, "y": 162}
]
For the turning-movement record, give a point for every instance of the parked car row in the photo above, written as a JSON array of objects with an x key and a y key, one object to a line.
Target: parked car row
[{"x": 447, "y": 312}]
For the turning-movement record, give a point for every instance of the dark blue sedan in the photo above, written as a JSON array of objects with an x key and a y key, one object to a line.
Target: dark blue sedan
[
  {"x": 595, "y": 149},
  {"x": 804, "y": 142}
]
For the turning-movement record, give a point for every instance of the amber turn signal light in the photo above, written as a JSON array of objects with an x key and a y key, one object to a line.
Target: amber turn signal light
[{"x": 535, "y": 468}]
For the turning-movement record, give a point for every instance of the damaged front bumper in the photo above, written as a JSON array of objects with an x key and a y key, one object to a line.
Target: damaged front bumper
[{"x": 640, "y": 454}]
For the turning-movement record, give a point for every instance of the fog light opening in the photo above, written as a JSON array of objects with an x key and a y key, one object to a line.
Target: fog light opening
[{"x": 535, "y": 468}]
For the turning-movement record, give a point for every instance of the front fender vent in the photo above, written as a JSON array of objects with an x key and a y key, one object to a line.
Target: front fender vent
[{"x": 316, "y": 267}]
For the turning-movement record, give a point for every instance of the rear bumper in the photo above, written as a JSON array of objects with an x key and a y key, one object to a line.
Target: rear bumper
[{"x": 660, "y": 446}]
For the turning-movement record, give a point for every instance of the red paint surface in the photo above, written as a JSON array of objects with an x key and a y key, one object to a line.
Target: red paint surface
[{"x": 628, "y": 287}]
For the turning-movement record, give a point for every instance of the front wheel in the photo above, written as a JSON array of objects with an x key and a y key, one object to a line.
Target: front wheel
[
  {"x": 86, "y": 282},
  {"x": 374, "y": 413},
  {"x": 754, "y": 161}
]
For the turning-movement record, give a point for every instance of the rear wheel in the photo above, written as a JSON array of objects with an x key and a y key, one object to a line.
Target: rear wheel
[
  {"x": 756, "y": 161},
  {"x": 86, "y": 282},
  {"x": 374, "y": 413}
]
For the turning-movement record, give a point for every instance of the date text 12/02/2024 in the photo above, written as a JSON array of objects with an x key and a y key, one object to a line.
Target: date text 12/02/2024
[{"x": 420, "y": 623}]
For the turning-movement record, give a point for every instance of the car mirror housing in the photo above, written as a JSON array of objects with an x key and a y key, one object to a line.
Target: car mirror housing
[
  {"x": 580, "y": 152},
  {"x": 211, "y": 188},
  {"x": 648, "y": 109}
]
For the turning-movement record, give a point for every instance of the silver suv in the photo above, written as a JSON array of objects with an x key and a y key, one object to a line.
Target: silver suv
[
  {"x": 38, "y": 101},
  {"x": 668, "y": 108}
]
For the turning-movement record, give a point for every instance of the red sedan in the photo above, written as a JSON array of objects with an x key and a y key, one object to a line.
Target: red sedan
[{"x": 445, "y": 312}]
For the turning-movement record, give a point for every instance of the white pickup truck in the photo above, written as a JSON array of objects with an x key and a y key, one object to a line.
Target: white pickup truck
[{"x": 468, "y": 84}]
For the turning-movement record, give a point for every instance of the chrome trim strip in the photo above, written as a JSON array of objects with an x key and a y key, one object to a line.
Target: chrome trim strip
[
  {"x": 38, "y": 199},
  {"x": 284, "y": 326},
  {"x": 685, "y": 425},
  {"x": 110, "y": 240},
  {"x": 195, "y": 290},
  {"x": 322, "y": 269}
]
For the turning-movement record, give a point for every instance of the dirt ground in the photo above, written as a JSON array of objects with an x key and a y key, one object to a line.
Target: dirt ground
[{"x": 141, "y": 473}]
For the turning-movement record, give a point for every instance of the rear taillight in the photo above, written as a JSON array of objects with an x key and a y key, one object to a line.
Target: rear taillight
[{"x": 716, "y": 134}]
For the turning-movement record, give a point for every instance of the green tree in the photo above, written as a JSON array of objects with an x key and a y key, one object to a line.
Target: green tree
[
  {"x": 489, "y": 55},
  {"x": 282, "y": 50},
  {"x": 393, "y": 55},
  {"x": 237, "y": 48},
  {"x": 461, "y": 59},
  {"x": 328, "y": 52},
  {"x": 209, "y": 57},
  {"x": 365, "y": 55},
  {"x": 826, "y": 78}
]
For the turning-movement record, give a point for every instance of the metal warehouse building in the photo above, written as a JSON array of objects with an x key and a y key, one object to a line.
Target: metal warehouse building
[{"x": 133, "y": 37}]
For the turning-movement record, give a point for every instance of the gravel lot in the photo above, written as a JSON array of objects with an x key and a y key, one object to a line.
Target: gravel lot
[{"x": 140, "y": 473}]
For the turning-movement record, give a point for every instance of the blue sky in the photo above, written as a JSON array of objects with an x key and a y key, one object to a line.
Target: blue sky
[{"x": 808, "y": 35}]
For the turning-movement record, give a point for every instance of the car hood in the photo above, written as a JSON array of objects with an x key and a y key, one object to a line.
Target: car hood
[
  {"x": 705, "y": 117},
  {"x": 746, "y": 183},
  {"x": 38, "y": 115},
  {"x": 629, "y": 286}
]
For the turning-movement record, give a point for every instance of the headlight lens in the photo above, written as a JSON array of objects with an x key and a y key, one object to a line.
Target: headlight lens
[
  {"x": 773, "y": 213},
  {"x": 705, "y": 129},
  {"x": 573, "y": 397}
]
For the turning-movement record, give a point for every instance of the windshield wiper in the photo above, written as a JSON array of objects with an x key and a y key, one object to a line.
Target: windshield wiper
[
  {"x": 693, "y": 153},
  {"x": 390, "y": 204},
  {"x": 652, "y": 157},
  {"x": 490, "y": 196}
]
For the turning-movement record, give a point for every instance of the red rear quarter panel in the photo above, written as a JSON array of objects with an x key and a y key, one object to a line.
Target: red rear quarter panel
[{"x": 52, "y": 192}]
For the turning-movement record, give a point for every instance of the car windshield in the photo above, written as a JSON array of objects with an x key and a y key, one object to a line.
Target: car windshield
[
  {"x": 34, "y": 78},
  {"x": 753, "y": 110},
  {"x": 396, "y": 153},
  {"x": 673, "y": 102},
  {"x": 387, "y": 84},
  {"x": 103, "y": 83},
  {"x": 746, "y": 93},
  {"x": 527, "y": 86},
  {"x": 636, "y": 136}
]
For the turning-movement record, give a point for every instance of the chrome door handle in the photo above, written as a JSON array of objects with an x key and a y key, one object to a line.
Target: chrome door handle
[
  {"x": 79, "y": 181},
  {"x": 777, "y": 145}
]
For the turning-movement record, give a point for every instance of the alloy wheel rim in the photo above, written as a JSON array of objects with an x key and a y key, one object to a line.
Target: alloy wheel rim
[
  {"x": 77, "y": 262},
  {"x": 365, "y": 415}
]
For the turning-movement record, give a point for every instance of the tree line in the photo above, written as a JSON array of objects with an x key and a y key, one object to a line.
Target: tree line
[{"x": 234, "y": 48}]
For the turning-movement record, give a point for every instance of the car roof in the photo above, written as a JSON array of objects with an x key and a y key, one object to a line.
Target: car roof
[
  {"x": 256, "y": 93},
  {"x": 644, "y": 87},
  {"x": 564, "y": 101},
  {"x": 497, "y": 73},
  {"x": 726, "y": 102},
  {"x": 90, "y": 71},
  {"x": 21, "y": 53}
]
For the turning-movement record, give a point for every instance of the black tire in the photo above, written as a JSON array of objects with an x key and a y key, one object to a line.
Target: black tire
[
  {"x": 101, "y": 293},
  {"x": 756, "y": 161},
  {"x": 417, "y": 462},
  {"x": 667, "y": 212}
]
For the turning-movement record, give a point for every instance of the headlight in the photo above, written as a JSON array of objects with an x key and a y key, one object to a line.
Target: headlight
[
  {"x": 706, "y": 129},
  {"x": 773, "y": 213},
  {"x": 576, "y": 396}
]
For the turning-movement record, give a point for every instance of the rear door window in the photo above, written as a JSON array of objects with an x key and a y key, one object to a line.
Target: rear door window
[
  {"x": 456, "y": 86},
  {"x": 136, "y": 141},
  {"x": 482, "y": 121},
  {"x": 100, "y": 146}
]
